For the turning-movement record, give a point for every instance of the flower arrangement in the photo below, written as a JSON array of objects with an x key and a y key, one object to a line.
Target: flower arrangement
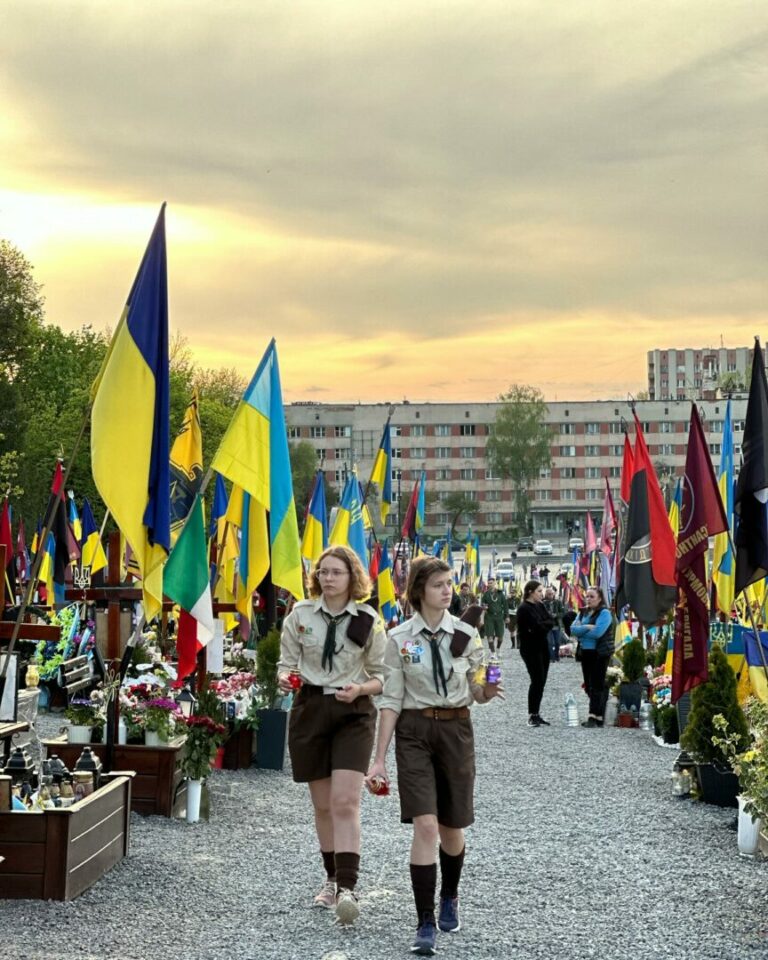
[
  {"x": 85, "y": 712},
  {"x": 236, "y": 694},
  {"x": 750, "y": 765},
  {"x": 204, "y": 736},
  {"x": 160, "y": 716}
]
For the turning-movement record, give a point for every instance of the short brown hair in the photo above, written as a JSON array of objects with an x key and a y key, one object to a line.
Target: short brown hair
[
  {"x": 422, "y": 569},
  {"x": 359, "y": 581}
]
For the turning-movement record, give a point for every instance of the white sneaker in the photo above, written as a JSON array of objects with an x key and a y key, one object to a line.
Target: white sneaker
[
  {"x": 327, "y": 896},
  {"x": 347, "y": 907}
]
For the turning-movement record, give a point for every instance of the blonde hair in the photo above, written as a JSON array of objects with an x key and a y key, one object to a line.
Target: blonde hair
[
  {"x": 359, "y": 581},
  {"x": 422, "y": 569}
]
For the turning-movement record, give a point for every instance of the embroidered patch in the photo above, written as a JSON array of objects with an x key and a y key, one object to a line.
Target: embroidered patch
[
  {"x": 406, "y": 658},
  {"x": 415, "y": 658}
]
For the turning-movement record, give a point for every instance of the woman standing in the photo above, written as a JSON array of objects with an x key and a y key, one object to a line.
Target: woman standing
[
  {"x": 434, "y": 672},
  {"x": 533, "y": 625},
  {"x": 335, "y": 644},
  {"x": 594, "y": 628}
]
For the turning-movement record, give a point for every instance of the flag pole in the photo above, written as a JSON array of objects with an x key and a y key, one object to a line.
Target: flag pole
[{"x": 37, "y": 563}]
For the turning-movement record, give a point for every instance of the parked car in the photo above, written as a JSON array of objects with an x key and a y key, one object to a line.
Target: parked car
[
  {"x": 542, "y": 548},
  {"x": 576, "y": 543},
  {"x": 525, "y": 543},
  {"x": 505, "y": 571}
]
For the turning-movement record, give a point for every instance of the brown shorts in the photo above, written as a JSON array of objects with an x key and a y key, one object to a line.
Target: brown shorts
[
  {"x": 435, "y": 768},
  {"x": 325, "y": 734}
]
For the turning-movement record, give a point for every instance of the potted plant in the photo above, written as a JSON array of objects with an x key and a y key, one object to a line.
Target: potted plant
[
  {"x": 204, "y": 736},
  {"x": 85, "y": 716},
  {"x": 718, "y": 783},
  {"x": 273, "y": 722},
  {"x": 751, "y": 767},
  {"x": 160, "y": 716},
  {"x": 633, "y": 668}
]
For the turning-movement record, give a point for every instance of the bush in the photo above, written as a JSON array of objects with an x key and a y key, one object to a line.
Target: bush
[
  {"x": 633, "y": 661},
  {"x": 660, "y": 653},
  {"x": 716, "y": 696},
  {"x": 267, "y": 658}
]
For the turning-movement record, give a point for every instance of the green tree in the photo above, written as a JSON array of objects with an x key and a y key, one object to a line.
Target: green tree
[
  {"x": 716, "y": 696},
  {"x": 459, "y": 504},
  {"x": 303, "y": 469},
  {"x": 519, "y": 444}
]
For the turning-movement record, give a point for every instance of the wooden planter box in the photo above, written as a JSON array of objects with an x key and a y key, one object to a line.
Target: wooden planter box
[
  {"x": 159, "y": 786},
  {"x": 56, "y": 854},
  {"x": 239, "y": 749}
]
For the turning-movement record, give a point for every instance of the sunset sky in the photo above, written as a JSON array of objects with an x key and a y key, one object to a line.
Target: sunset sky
[{"x": 431, "y": 199}]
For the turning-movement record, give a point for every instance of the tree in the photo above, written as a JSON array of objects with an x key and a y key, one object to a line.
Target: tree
[
  {"x": 458, "y": 503},
  {"x": 519, "y": 444},
  {"x": 303, "y": 469}
]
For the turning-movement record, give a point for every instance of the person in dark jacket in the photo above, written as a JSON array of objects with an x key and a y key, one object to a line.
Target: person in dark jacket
[{"x": 533, "y": 625}]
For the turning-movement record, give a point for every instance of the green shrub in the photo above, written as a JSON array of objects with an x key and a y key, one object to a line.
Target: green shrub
[
  {"x": 267, "y": 658},
  {"x": 633, "y": 661},
  {"x": 660, "y": 653},
  {"x": 716, "y": 696}
]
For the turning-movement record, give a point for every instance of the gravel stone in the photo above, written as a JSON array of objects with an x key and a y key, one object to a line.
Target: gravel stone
[{"x": 579, "y": 851}]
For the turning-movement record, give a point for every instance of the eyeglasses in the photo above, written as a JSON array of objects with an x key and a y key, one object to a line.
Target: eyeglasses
[{"x": 332, "y": 574}]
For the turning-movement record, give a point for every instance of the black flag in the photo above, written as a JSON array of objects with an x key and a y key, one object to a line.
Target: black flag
[{"x": 752, "y": 485}]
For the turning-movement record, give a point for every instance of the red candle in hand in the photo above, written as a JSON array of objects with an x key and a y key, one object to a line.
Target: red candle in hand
[
  {"x": 380, "y": 787},
  {"x": 295, "y": 680}
]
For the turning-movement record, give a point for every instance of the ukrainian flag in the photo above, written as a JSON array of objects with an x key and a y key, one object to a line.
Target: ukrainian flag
[
  {"x": 348, "y": 528},
  {"x": 130, "y": 422},
  {"x": 386, "y": 587},
  {"x": 315, "y": 538},
  {"x": 251, "y": 562},
  {"x": 93, "y": 555},
  {"x": 254, "y": 455},
  {"x": 45, "y": 575},
  {"x": 186, "y": 467},
  {"x": 219, "y": 509},
  {"x": 223, "y": 533},
  {"x": 675, "y": 507},
  {"x": 74, "y": 518},
  {"x": 724, "y": 563},
  {"x": 381, "y": 474}
]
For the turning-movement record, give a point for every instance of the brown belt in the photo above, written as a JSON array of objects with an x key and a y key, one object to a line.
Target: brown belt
[{"x": 445, "y": 713}]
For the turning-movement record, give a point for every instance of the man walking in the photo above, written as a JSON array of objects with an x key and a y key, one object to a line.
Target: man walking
[{"x": 496, "y": 613}]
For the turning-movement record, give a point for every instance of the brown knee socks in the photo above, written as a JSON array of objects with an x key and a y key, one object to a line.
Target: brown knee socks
[
  {"x": 424, "y": 882},
  {"x": 450, "y": 873}
]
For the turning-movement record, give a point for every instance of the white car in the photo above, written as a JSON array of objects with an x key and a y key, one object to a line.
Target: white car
[
  {"x": 505, "y": 571},
  {"x": 542, "y": 547},
  {"x": 575, "y": 543}
]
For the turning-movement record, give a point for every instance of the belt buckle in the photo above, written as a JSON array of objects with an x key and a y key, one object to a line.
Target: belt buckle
[{"x": 436, "y": 713}]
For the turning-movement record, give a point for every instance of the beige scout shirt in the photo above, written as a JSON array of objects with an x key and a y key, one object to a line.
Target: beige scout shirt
[
  {"x": 409, "y": 682},
  {"x": 303, "y": 637}
]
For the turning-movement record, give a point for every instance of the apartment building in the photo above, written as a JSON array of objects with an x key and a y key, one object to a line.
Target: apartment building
[
  {"x": 694, "y": 373},
  {"x": 447, "y": 441}
]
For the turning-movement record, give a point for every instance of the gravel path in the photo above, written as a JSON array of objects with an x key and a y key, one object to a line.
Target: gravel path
[{"x": 579, "y": 851}]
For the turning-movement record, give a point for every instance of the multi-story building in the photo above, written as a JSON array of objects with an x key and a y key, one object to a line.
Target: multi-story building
[
  {"x": 694, "y": 373},
  {"x": 447, "y": 441}
]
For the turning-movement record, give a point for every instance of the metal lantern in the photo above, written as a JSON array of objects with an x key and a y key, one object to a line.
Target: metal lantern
[{"x": 187, "y": 702}]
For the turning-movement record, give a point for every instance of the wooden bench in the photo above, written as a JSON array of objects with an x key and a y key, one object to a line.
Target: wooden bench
[{"x": 7, "y": 732}]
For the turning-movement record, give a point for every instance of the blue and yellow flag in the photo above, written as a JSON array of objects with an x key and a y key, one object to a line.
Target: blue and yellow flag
[
  {"x": 381, "y": 474},
  {"x": 315, "y": 538},
  {"x": 93, "y": 555},
  {"x": 243, "y": 565},
  {"x": 74, "y": 518},
  {"x": 254, "y": 455},
  {"x": 45, "y": 575},
  {"x": 130, "y": 422},
  {"x": 386, "y": 587},
  {"x": 348, "y": 528},
  {"x": 219, "y": 509},
  {"x": 186, "y": 467},
  {"x": 675, "y": 508},
  {"x": 723, "y": 563}
]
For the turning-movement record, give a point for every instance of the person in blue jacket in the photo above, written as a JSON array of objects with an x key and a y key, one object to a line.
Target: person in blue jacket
[{"x": 594, "y": 629}]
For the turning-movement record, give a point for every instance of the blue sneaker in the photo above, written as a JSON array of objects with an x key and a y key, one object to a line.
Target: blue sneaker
[
  {"x": 448, "y": 920},
  {"x": 426, "y": 935}
]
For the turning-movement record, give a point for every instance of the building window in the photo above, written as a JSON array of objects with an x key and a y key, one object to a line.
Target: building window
[
  {"x": 418, "y": 453},
  {"x": 316, "y": 432},
  {"x": 442, "y": 452},
  {"x": 614, "y": 426},
  {"x": 567, "y": 451},
  {"x": 567, "y": 428},
  {"x": 491, "y": 474},
  {"x": 545, "y": 473},
  {"x": 467, "y": 429},
  {"x": 667, "y": 449},
  {"x": 592, "y": 450},
  {"x": 715, "y": 425},
  {"x": 616, "y": 451},
  {"x": 294, "y": 433},
  {"x": 592, "y": 428},
  {"x": 340, "y": 453},
  {"x": 614, "y": 471},
  {"x": 568, "y": 494},
  {"x": 493, "y": 517},
  {"x": 396, "y": 452},
  {"x": 667, "y": 426},
  {"x": 493, "y": 495},
  {"x": 467, "y": 473},
  {"x": 339, "y": 476},
  {"x": 715, "y": 448},
  {"x": 543, "y": 494},
  {"x": 443, "y": 430},
  {"x": 397, "y": 475},
  {"x": 467, "y": 452},
  {"x": 342, "y": 431},
  {"x": 442, "y": 518},
  {"x": 418, "y": 430},
  {"x": 594, "y": 494},
  {"x": 738, "y": 425},
  {"x": 395, "y": 431},
  {"x": 592, "y": 473},
  {"x": 442, "y": 474},
  {"x": 567, "y": 473}
]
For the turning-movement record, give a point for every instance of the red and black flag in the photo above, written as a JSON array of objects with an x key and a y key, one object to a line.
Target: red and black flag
[
  {"x": 752, "y": 486},
  {"x": 648, "y": 565},
  {"x": 701, "y": 517},
  {"x": 6, "y": 539},
  {"x": 56, "y": 521},
  {"x": 627, "y": 468}
]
